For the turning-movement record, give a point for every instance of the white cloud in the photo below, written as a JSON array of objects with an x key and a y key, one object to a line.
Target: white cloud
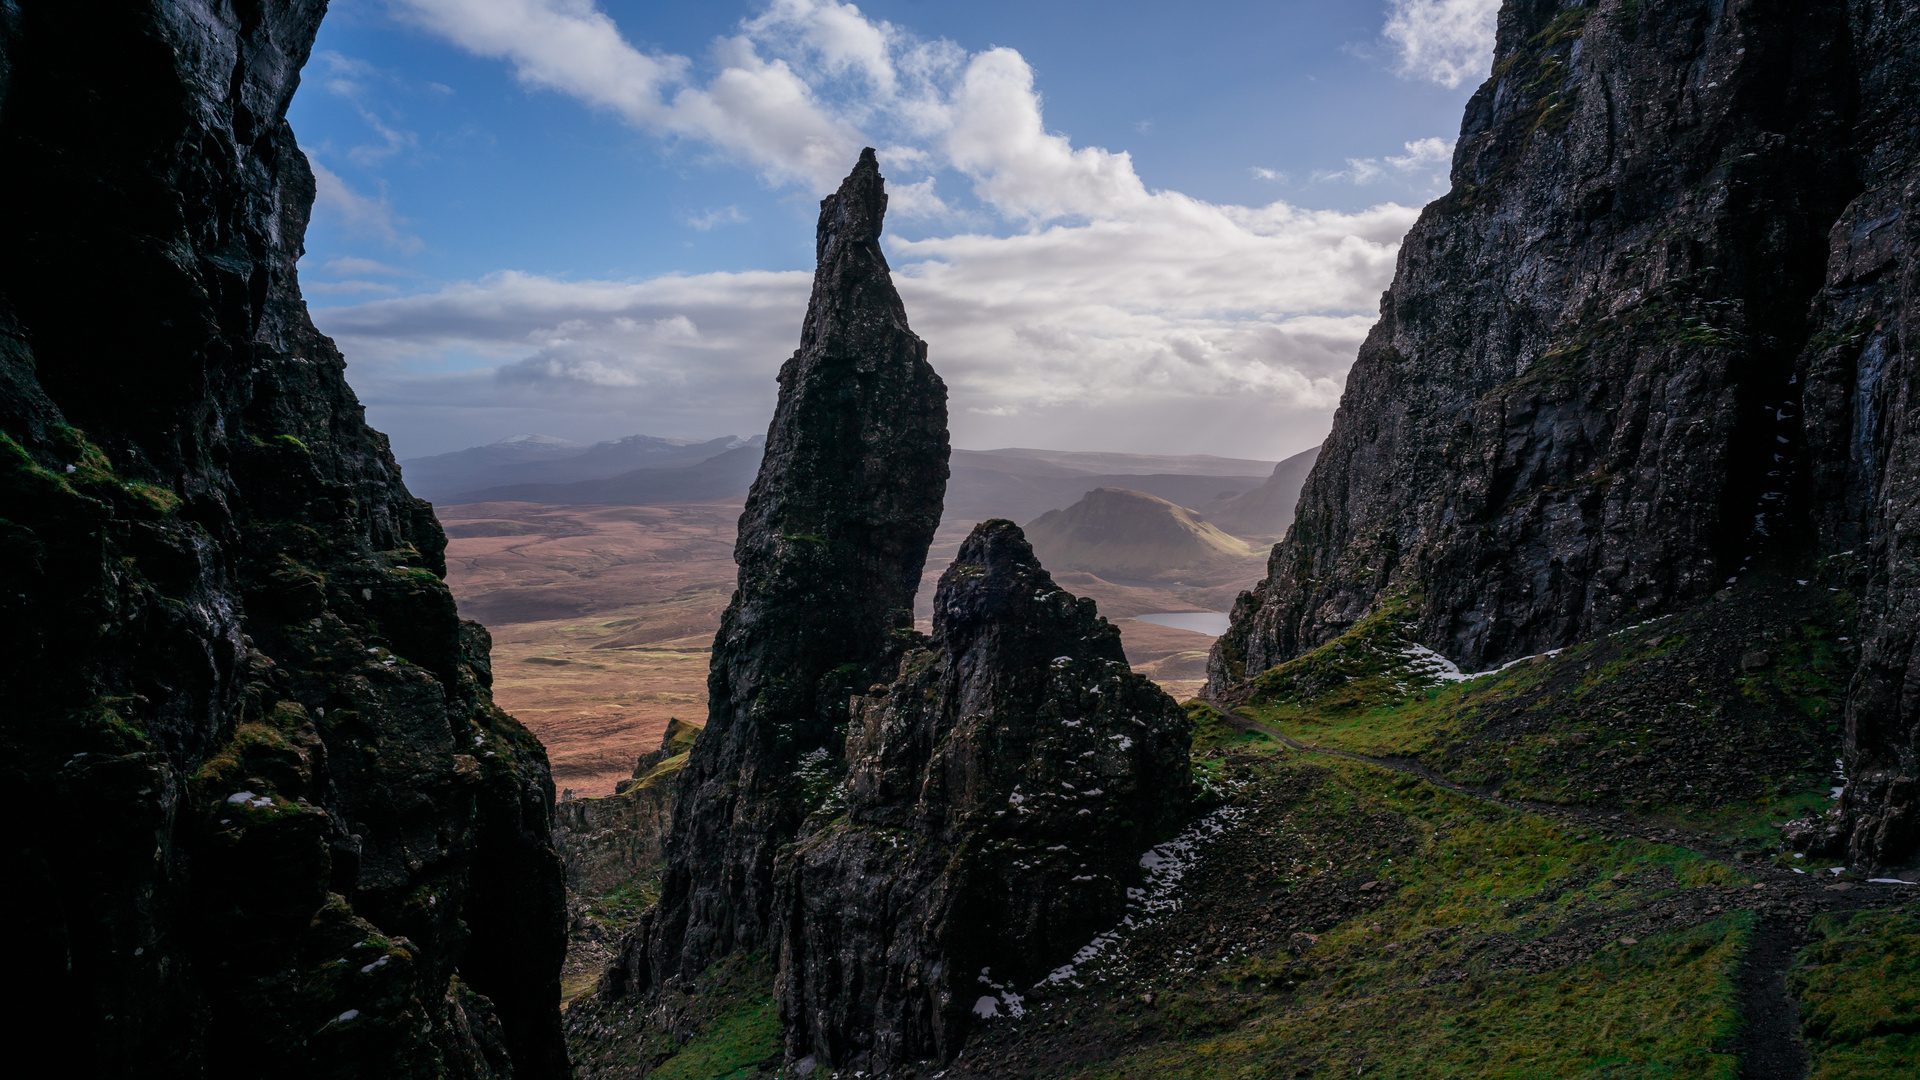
[
  {"x": 704, "y": 222},
  {"x": 1113, "y": 315},
  {"x": 357, "y": 213},
  {"x": 755, "y": 108},
  {"x": 1431, "y": 155},
  {"x": 1184, "y": 311},
  {"x": 1016, "y": 164},
  {"x": 349, "y": 79},
  {"x": 1442, "y": 41}
]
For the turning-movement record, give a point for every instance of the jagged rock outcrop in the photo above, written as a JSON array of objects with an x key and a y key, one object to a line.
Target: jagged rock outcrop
[
  {"x": 998, "y": 795},
  {"x": 1596, "y": 390},
  {"x": 831, "y": 546},
  {"x": 264, "y": 818},
  {"x": 607, "y": 841}
]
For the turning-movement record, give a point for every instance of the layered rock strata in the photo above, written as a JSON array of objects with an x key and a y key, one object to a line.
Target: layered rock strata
[
  {"x": 264, "y": 816},
  {"x": 831, "y": 546},
  {"x": 1596, "y": 391},
  {"x": 998, "y": 795}
]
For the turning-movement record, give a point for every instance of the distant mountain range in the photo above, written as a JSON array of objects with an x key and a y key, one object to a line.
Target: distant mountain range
[
  {"x": 520, "y": 460},
  {"x": 1243, "y": 497}
]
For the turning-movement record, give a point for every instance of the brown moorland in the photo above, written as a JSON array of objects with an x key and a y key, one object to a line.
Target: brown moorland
[{"x": 603, "y": 618}]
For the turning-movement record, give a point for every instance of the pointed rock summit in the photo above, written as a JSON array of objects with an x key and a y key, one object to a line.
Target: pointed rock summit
[
  {"x": 831, "y": 547},
  {"x": 998, "y": 796}
]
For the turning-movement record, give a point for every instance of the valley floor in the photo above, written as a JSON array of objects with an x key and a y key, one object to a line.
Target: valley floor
[{"x": 603, "y": 617}]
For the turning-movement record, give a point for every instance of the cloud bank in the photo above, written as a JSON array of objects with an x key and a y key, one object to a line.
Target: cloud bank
[
  {"x": 1442, "y": 41},
  {"x": 1071, "y": 306}
]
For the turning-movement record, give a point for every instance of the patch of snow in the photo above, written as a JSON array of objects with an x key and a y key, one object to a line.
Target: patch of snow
[
  {"x": 1891, "y": 881},
  {"x": 1165, "y": 865},
  {"x": 987, "y": 1007},
  {"x": 1426, "y": 662},
  {"x": 346, "y": 1016}
]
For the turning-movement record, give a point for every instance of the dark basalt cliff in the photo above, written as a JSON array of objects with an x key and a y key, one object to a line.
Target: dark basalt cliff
[
  {"x": 263, "y": 817},
  {"x": 831, "y": 546},
  {"x": 1656, "y": 335},
  {"x": 998, "y": 796}
]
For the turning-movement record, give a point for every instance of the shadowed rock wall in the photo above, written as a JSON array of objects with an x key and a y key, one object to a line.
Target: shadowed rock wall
[
  {"x": 1863, "y": 427},
  {"x": 1650, "y": 340},
  {"x": 266, "y": 818}
]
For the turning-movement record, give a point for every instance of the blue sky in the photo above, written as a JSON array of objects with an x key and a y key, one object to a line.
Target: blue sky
[{"x": 1120, "y": 226}]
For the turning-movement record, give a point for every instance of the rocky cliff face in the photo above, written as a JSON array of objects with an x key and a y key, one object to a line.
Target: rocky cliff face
[
  {"x": 264, "y": 817},
  {"x": 1863, "y": 426},
  {"x": 1651, "y": 340},
  {"x": 999, "y": 793},
  {"x": 831, "y": 546}
]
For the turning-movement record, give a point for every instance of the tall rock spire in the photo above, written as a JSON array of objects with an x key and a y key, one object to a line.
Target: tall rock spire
[{"x": 832, "y": 543}]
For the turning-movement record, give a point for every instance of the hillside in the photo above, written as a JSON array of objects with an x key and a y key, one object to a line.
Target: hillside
[
  {"x": 1124, "y": 535},
  {"x": 1266, "y": 511}
]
